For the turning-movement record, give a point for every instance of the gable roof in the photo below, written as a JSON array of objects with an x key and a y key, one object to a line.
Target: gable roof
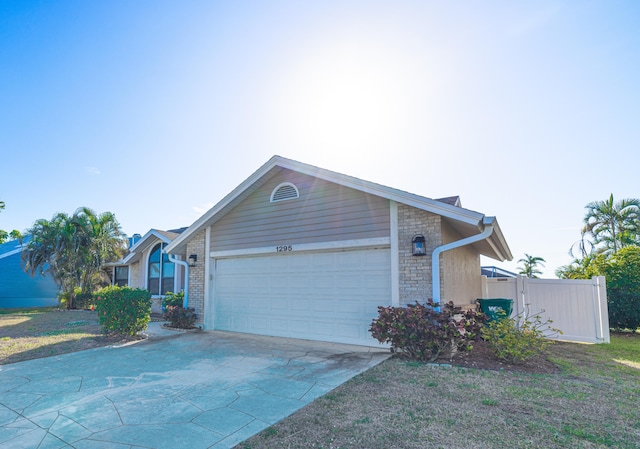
[
  {"x": 12, "y": 247},
  {"x": 465, "y": 221},
  {"x": 146, "y": 241}
]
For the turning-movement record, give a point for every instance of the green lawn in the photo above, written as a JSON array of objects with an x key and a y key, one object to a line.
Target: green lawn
[{"x": 592, "y": 403}]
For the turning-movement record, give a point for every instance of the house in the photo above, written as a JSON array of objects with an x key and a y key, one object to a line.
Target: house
[
  {"x": 300, "y": 251},
  {"x": 496, "y": 272},
  {"x": 18, "y": 288},
  {"x": 147, "y": 266}
]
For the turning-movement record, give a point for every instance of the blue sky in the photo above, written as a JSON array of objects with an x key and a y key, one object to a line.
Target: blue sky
[{"x": 155, "y": 110}]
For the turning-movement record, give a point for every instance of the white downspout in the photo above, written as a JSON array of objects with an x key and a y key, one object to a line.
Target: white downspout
[
  {"x": 185, "y": 264},
  {"x": 435, "y": 256}
]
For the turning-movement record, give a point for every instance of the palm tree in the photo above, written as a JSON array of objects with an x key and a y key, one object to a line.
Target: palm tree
[
  {"x": 107, "y": 243},
  {"x": 530, "y": 265},
  {"x": 73, "y": 248},
  {"x": 613, "y": 224}
]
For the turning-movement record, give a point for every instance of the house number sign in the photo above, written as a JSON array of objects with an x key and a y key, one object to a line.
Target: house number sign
[{"x": 284, "y": 248}]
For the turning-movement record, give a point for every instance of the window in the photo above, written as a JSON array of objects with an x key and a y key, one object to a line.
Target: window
[
  {"x": 121, "y": 276},
  {"x": 284, "y": 191},
  {"x": 161, "y": 272}
]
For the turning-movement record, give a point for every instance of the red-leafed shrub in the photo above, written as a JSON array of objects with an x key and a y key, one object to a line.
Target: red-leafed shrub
[
  {"x": 180, "y": 318},
  {"x": 427, "y": 331}
]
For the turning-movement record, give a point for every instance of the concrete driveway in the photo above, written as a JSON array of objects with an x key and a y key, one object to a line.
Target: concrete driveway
[{"x": 195, "y": 390}]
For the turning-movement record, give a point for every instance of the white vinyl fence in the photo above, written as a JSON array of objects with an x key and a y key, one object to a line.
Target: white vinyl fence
[{"x": 577, "y": 307}]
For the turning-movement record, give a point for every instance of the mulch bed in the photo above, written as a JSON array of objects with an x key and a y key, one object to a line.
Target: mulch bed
[{"x": 481, "y": 357}]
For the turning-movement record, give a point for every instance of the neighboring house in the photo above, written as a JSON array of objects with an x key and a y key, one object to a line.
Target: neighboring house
[
  {"x": 495, "y": 272},
  {"x": 147, "y": 266},
  {"x": 299, "y": 251},
  {"x": 18, "y": 288}
]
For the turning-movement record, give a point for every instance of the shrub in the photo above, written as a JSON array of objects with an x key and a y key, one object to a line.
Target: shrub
[
  {"x": 172, "y": 299},
  {"x": 84, "y": 301},
  {"x": 516, "y": 344},
  {"x": 123, "y": 310},
  {"x": 425, "y": 331},
  {"x": 622, "y": 271},
  {"x": 180, "y": 317},
  {"x": 80, "y": 300}
]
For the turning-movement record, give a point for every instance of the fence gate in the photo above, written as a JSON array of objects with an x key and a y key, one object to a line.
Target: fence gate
[{"x": 578, "y": 307}]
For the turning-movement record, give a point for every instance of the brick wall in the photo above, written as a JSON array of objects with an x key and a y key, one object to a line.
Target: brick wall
[
  {"x": 196, "y": 274},
  {"x": 415, "y": 272}
]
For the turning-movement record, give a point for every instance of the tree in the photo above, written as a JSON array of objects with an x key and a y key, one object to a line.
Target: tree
[
  {"x": 584, "y": 268},
  {"x": 72, "y": 248},
  {"x": 615, "y": 225},
  {"x": 107, "y": 243},
  {"x": 622, "y": 271},
  {"x": 4, "y": 235},
  {"x": 530, "y": 265}
]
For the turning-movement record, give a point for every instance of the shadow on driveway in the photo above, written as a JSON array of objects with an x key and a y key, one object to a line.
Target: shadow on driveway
[{"x": 195, "y": 390}]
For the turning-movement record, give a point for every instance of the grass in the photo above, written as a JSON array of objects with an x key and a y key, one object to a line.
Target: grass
[
  {"x": 591, "y": 403},
  {"x": 34, "y": 333}
]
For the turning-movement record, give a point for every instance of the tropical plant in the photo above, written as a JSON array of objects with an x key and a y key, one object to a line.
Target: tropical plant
[
  {"x": 613, "y": 224},
  {"x": 107, "y": 243},
  {"x": 425, "y": 331},
  {"x": 72, "y": 248},
  {"x": 181, "y": 318},
  {"x": 515, "y": 343},
  {"x": 622, "y": 271},
  {"x": 173, "y": 299},
  {"x": 530, "y": 265},
  {"x": 584, "y": 268},
  {"x": 4, "y": 235}
]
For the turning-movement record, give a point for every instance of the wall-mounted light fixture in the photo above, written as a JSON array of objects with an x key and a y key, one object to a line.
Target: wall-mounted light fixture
[
  {"x": 193, "y": 258},
  {"x": 419, "y": 247}
]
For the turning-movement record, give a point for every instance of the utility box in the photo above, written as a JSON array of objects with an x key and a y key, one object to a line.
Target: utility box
[{"x": 494, "y": 307}]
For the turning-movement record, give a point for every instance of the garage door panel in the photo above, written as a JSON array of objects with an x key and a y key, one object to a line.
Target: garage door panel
[{"x": 330, "y": 296}]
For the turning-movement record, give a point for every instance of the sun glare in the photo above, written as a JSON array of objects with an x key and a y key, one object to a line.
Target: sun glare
[{"x": 347, "y": 98}]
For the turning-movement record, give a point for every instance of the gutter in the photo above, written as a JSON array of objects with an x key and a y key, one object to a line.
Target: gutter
[
  {"x": 435, "y": 256},
  {"x": 185, "y": 264}
]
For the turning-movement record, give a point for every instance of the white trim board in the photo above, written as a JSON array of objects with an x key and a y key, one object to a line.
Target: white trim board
[{"x": 306, "y": 247}]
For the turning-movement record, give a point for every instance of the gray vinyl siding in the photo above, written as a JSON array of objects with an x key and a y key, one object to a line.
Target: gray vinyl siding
[{"x": 324, "y": 212}]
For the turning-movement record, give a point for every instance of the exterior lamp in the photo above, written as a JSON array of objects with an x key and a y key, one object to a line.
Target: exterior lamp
[
  {"x": 193, "y": 258},
  {"x": 419, "y": 247}
]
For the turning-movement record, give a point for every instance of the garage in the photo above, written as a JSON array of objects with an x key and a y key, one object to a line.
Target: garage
[{"x": 327, "y": 296}]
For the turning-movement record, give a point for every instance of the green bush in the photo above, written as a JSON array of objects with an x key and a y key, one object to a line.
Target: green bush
[
  {"x": 622, "y": 271},
  {"x": 123, "y": 310},
  {"x": 517, "y": 344},
  {"x": 84, "y": 301},
  {"x": 180, "y": 317},
  {"x": 425, "y": 331},
  {"x": 80, "y": 300},
  {"x": 172, "y": 299}
]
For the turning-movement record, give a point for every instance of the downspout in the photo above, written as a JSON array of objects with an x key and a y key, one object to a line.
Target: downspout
[
  {"x": 185, "y": 264},
  {"x": 435, "y": 256}
]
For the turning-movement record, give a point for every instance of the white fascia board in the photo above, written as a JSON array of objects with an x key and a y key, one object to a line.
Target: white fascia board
[
  {"x": 410, "y": 199},
  {"x": 202, "y": 221},
  {"x": 379, "y": 242},
  {"x": 497, "y": 239},
  {"x": 142, "y": 244},
  {"x": 455, "y": 213},
  {"x": 11, "y": 253}
]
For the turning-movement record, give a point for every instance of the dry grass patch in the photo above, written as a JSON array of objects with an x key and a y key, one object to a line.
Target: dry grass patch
[
  {"x": 402, "y": 404},
  {"x": 31, "y": 334}
]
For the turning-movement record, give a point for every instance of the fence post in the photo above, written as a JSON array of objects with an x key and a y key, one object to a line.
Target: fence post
[
  {"x": 602, "y": 309},
  {"x": 521, "y": 298}
]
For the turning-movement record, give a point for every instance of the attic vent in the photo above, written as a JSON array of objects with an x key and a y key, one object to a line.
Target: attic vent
[{"x": 284, "y": 191}]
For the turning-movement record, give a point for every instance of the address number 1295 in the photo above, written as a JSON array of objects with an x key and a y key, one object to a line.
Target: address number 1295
[{"x": 284, "y": 248}]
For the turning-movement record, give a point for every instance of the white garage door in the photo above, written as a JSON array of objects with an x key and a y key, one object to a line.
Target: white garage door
[{"x": 330, "y": 296}]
